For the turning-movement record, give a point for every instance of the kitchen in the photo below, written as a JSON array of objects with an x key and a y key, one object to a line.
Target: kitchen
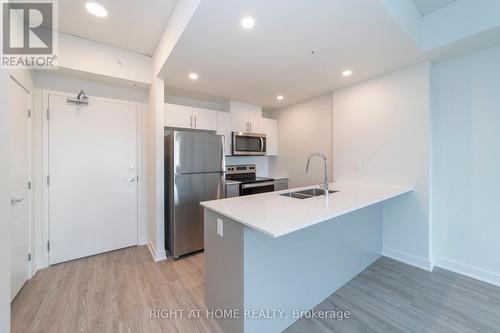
[{"x": 315, "y": 166}]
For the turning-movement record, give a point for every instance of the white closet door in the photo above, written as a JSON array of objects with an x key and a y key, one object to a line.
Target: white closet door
[
  {"x": 19, "y": 176},
  {"x": 93, "y": 177}
]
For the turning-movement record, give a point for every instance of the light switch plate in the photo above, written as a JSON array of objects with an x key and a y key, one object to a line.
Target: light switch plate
[{"x": 220, "y": 227}]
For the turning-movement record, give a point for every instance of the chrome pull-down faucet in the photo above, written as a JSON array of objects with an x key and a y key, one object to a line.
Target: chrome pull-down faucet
[{"x": 325, "y": 177}]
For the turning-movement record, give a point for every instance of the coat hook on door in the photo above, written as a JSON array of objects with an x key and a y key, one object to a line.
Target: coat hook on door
[{"x": 80, "y": 99}]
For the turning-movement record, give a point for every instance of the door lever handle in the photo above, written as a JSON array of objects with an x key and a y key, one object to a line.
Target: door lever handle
[
  {"x": 14, "y": 201},
  {"x": 129, "y": 180}
]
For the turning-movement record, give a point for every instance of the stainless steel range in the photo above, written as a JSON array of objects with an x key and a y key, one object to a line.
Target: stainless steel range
[{"x": 249, "y": 182}]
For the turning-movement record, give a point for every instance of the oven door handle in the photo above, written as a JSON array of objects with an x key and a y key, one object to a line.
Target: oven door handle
[{"x": 245, "y": 186}]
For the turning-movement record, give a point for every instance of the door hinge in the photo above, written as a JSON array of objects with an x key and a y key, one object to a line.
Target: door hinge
[
  {"x": 48, "y": 245},
  {"x": 29, "y": 185},
  {"x": 48, "y": 180},
  {"x": 29, "y": 256},
  {"x": 48, "y": 114},
  {"x": 29, "y": 113}
]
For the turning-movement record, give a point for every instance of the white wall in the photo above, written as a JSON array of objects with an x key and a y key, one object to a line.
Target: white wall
[
  {"x": 83, "y": 55},
  {"x": 177, "y": 22},
  {"x": 459, "y": 20},
  {"x": 5, "y": 209},
  {"x": 466, "y": 164},
  {"x": 303, "y": 128},
  {"x": 172, "y": 99},
  {"x": 381, "y": 135},
  {"x": 261, "y": 163},
  {"x": 47, "y": 80},
  {"x": 155, "y": 170}
]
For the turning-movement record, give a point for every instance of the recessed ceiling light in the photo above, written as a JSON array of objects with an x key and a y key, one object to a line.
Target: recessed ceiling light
[
  {"x": 247, "y": 22},
  {"x": 280, "y": 97},
  {"x": 193, "y": 76},
  {"x": 347, "y": 73},
  {"x": 96, "y": 9}
]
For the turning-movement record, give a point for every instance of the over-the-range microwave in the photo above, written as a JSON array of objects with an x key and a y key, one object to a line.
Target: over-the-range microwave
[{"x": 248, "y": 144}]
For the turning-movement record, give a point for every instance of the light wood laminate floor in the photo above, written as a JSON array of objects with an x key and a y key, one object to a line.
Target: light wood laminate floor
[
  {"x": 114, "y": 292},
  {"x": 390, "y": 296}
]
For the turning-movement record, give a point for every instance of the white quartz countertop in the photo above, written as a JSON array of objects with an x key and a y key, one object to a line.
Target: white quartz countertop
[{"x": 278, "y": 215}]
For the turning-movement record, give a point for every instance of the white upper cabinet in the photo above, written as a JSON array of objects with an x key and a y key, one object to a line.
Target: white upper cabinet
[
  {"x": 241, "y": 118},
  {"x": 224, "y": 129},
  {"x": 246, "y": 117},
  {"x": 205, "y": 119},
  {"x": 270, "y": 128},
  {"x": 181, "y": 116},
  {"x": 178, "y": 116}
]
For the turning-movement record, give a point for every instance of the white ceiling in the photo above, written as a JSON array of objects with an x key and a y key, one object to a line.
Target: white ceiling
[
  {"x": 131, "y": 24},
  {"x": 426, "y": 7},
  {"x": 275, "y": 57}
]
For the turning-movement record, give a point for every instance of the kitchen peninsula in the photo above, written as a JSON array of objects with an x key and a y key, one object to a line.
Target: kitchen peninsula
[{"x": 276, "y": 251}]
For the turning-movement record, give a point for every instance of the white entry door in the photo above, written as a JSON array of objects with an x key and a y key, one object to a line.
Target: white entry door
[
  {"x": 19, "y": 103},
  {"x": 92, "y": 177}
]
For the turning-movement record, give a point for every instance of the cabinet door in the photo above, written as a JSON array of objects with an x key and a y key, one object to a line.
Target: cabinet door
[
  {"x": 240, "y": 122},
  {"x": 256, "y": 123},
  {"x": 270, "y": 128},
  {"x": 245, "y": 117},
  {"x": 178, "y": 116},
  {"x": 224, "y": 129},
  {"x": 204, "y": 119}
]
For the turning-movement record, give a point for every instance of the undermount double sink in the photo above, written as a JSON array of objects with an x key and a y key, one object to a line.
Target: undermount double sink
[{"x": 306, "y": 194}]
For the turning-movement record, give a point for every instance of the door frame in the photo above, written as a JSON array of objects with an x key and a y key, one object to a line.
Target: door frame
[
  {"x": 29, "y": 201},
  {"x": 141, "y": 220}
]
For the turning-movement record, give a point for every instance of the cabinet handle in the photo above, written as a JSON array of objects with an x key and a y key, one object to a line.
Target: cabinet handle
[
  {"x": 195, "y": 117},
  {"x": 191, "y": 121}
]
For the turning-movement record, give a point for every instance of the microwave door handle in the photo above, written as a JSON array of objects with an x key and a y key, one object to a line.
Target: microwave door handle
[{"x": 261, "y": 144}]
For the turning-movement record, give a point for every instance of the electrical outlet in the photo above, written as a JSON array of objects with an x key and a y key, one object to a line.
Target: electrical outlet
[{"x": 220, "y": 227}]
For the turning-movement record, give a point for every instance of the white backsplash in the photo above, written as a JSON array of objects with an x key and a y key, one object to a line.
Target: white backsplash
[{"x": 261, "y": 163}]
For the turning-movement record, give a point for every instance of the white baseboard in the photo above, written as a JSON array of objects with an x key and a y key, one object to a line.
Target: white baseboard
[
  {"x": 409, "y": 259},
  {"x": 36, "y": 267},
  {"x": 470, "y": 271},
  {"x": 157, "y": 255}
]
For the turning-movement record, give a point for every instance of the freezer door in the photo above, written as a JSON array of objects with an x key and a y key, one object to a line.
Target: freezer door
[
  {"x": 196, "y": 152},
  {"x": 189, "y": 191}
]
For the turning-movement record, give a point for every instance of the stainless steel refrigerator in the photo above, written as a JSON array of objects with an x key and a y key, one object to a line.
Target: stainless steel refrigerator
[{"x": 194, "y": 172}]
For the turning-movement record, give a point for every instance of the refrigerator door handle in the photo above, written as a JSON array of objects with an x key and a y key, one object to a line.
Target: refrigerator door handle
[{"x": 223, "y": 157}]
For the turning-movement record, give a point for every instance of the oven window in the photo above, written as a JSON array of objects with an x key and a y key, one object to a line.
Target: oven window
[
  {"x": 248, "y": 143},
  {"x": 256, "y": 190}
]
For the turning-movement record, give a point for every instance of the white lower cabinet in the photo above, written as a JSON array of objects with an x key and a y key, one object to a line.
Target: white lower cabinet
[{"x": 270, "y": 128}]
